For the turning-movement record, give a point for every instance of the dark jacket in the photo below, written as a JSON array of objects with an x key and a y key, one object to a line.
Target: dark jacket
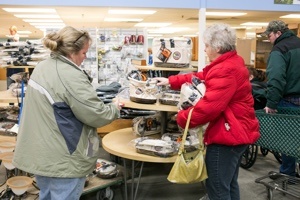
[
  {"x": 259, "y": 92},
  {"x": 283, "y": 70},
  {"x": 227, "y": 104}
]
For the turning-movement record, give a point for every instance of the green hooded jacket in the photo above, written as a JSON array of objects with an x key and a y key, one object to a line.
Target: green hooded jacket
[{"x": 283, "y": 70}]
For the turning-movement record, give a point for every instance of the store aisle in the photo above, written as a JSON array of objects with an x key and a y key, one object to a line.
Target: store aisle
[{"x": 154, "y": 185}]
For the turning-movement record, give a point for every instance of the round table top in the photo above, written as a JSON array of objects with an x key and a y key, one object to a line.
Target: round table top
[
  {"x": 118, "y": 144},
  {"x": 7, "y": 97},
  {"x": 156, "y": 106}
]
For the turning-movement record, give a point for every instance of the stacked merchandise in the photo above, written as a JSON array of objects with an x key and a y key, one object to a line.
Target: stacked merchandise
[
  {"x": 107, "y": 92},
  {"x": 8, "y": 118},
  {"x": 172, "y": 52},
  {"x": 27, "y": 53}
]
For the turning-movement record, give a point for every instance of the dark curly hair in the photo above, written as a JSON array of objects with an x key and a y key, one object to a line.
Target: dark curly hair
[{"x": 258, "y": 74}]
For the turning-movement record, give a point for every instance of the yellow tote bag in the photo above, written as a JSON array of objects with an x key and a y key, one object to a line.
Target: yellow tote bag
[{"x": 189, "y": 167}]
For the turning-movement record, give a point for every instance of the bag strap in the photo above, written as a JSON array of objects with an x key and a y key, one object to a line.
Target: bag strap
[{"x": 183, "y": 139}]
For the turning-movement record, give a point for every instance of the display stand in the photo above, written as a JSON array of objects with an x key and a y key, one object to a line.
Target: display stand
[
  {"x": 118, "y": 144},
  {"x": 164, "y": 109}
]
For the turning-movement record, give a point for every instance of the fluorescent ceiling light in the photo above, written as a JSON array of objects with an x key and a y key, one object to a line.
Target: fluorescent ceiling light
[
  {"x": 167, "y": 30},
  {"x": 155, "y": 35},
  {"x": 49, "y": 27},
  {"x": 122, "y": 20},
  {"x": 132, "y": 12},
  {"x": 255, "y": 24},
  {"x": 296, "y": 16},
  {"x": 19, "y": 35},
  {"x": 160, "y": 31},
  {"x": 250, "y": 34},
  {"x": 239, "y": 27},
  {"x": 146, "y": 24},
  {"x": 23, "y": 36},
  {"x": 43, "y": 20},
  {"x": 47, "y": 24},
  {"x": 37, "y": 16},
  {"x": 30, "y": 10},
  {"x": 224, "y": 14},
  {"x": 191, "y": 35},
  {"x": 24, "y": 32},
  {"x": 253, "y": 27}
]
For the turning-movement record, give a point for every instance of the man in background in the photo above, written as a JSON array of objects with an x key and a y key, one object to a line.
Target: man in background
[
  {"x": 14, "y": 37},
  {"x": 283, "y": 74}
]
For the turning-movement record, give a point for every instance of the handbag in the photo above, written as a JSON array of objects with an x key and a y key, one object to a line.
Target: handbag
[{"x": 189, "y": 167}]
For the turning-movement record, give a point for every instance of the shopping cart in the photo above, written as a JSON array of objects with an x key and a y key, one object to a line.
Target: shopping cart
[{"x": 280, "y": 132}]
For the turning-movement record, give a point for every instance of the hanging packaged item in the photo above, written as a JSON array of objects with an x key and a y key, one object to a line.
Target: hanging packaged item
[{"x": 172, "y": 52}]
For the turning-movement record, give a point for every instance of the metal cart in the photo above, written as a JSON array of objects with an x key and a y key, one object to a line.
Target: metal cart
[{"x": 280, "y": 132}]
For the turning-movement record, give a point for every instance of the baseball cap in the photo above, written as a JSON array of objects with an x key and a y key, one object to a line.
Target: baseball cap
[{"x": 274, "y": 26}]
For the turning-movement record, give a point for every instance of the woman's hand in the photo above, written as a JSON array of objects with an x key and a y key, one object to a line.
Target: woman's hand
[
  {"x": 118, "y": 104},
  {"x": 270, "y": 110},
  {"x": 161, "y": 80}
]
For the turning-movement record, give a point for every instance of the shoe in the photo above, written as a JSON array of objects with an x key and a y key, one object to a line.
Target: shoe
[{"x": 205, "y": 197}]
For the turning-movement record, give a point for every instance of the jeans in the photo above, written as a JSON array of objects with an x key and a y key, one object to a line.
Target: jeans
[
  {"x": 222, "y": 164},
  {"x": 288, "y": 165},
  {"x": 60, "y": 188}
]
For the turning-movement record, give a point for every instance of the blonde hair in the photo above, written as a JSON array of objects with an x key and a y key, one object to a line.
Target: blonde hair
[
  {"x": 13, "y": 28},
  {"x": 66, "y": 41}
]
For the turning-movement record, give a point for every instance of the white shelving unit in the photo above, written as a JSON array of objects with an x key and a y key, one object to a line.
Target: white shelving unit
[{"x": 115, "y": 50}]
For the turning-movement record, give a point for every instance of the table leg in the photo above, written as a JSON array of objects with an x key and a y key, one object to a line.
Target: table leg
[
  {"x": 163, "y": 124},
  {"x": 138, "y": 183},
  {"x": 132, "y": 179},
  {"x": 134, "y": 189},
  {"x": 125, "y": 178}
]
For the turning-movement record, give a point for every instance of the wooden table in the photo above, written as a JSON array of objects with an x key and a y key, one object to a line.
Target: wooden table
[
  {"x": 164, "y": 109},
  {"x": 117, "y": 143},
  {"x": 7, "y": 97}
]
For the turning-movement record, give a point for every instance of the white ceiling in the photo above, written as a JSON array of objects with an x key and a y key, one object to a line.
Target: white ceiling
[{"x": 92, "y": 17}]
